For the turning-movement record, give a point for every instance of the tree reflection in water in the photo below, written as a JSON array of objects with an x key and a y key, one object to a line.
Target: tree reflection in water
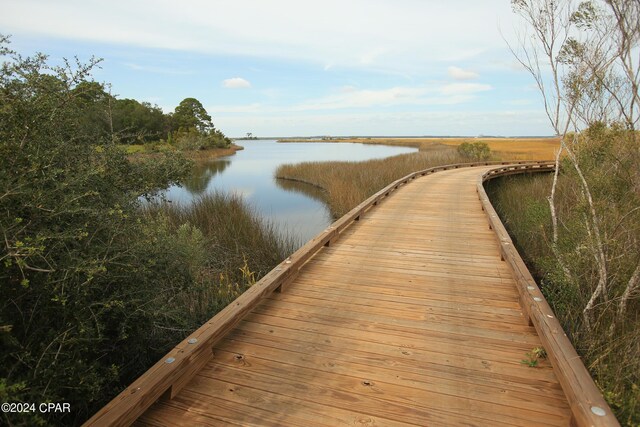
[{"x": 202, "y": 174}]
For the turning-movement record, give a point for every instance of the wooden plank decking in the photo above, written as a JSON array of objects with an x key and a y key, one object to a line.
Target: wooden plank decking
[{"x": 410, "y": 318}]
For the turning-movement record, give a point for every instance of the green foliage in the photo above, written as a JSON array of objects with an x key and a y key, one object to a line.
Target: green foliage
[
  {"x": 93, "y": 289},
  {"x": 609, "y": 158},
  {"x": 69, "y": 274},
  {"x": 190, "y": 114},
  {"x": 93, "y": 110},
  {"x": 534, "y": 357},
  {"x": 138, "y": 122},
  {"x": 193, "y": 129},
  {"x": 192, "y": 139},
  {"x": 475, "y": 150},
  {"x": 100, "y": 117},
  {"x": 585, "y": 15}
]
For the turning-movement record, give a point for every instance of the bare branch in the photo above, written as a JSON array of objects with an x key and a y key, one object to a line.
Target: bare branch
[{"x": 632, "y": 287}]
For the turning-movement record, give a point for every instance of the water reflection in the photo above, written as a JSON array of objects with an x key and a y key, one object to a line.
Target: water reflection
[
  {"x": 308, "y": 190},
  {"x": 297, "y": 209},
  {"x": 202, "y": 174}
]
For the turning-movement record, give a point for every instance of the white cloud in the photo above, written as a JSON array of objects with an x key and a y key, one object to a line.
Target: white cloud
[
  {"x": 236, "y": 83},
  {"x": 157, "y": 70},
  {"x": 351, "y": 97},
  {"x": 331, "y": 33},
  {"x": 460, "y": 74},
  {"x": 464, "y": 88},
  {"x": 372, "y": 56},
  {"x": 365, "y": 98}
]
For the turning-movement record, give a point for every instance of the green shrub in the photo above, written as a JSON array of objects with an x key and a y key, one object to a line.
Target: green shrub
[
  {"x": 475, "y": 150},
  {"x": 193, "y": 139},
  {"x": 609, "y": 158},
  {"x": 94, "y": 288}
]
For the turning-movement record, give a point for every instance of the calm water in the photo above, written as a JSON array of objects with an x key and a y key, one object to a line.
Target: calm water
[{"x": 297, "y": 209}]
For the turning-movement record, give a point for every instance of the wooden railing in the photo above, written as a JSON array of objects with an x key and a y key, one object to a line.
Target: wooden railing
[
  {"x": 168, "y": 376},
  {"x": 588, "y": 407}
]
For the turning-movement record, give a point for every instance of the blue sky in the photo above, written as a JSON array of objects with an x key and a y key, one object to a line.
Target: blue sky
[{"x": 301, "y": 68}]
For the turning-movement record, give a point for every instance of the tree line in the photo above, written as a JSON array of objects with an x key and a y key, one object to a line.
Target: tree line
[{"x": 128, "y": 121}]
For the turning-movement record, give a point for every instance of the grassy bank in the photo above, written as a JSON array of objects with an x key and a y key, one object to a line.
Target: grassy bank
[
  {"x": 150, "y": 151},
  {"x": 346, "y": 184},
  {"x": 221, "y": 247},
  {"x": 232, "y": 233},
  {"x": 608, "y": 336},
  {"x": 508, "y": 148},
  {"x": 166, "y": 271}
]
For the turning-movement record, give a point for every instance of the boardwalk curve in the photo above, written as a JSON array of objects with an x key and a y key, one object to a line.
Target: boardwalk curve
[{"x": 407, "y": 311}]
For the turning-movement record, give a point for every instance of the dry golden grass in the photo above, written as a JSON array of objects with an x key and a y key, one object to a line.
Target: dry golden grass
[
  {"x": 514, "y": 148},
  {"x": 507, "y": 148},
  {"x": 346, "y": 184}
]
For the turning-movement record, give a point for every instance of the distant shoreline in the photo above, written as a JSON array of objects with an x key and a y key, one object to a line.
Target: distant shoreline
[
  {"x": 195, "y": 155},
  {"x": 521, "y": 148}
]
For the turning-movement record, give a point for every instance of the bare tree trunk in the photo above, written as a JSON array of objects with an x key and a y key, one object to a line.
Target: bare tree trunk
[
  {"x": 593, "y": 76},
  {"x": 627, "y": 18},
  {"x": 110, "y": 113},
  {"x": 552, "y": 197},
  {"x": 592, "y": 225},
  {"x": 554, "y": 217},
  {"x": 550, "y": 23},
  {"x": 601, "y": 287},
  {"x": 632, "y": 286}
]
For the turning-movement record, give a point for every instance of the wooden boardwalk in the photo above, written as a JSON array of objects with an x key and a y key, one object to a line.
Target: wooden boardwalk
[{"x": 410, "y": 318}]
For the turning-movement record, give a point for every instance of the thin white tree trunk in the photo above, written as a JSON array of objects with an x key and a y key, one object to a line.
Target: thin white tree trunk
[
  {"x": 552, "y": 197},
  {"x": 632, "y": 287},
  {"x": 593, "y": 228}
]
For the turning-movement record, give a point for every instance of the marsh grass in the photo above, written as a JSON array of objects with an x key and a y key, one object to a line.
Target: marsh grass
[
  {"x": 224, "y": 246},
  {"x": 346, "y": 184},
  {"x": 611, "y": 349},
  {"x": 507, "y": 148}
]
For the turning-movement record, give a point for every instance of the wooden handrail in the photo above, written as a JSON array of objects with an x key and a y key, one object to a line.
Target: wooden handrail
[
  {"x": 588, "y": 407},
  {"x": 170, "y": 374}
]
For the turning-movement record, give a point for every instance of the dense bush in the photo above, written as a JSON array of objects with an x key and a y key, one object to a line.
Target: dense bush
[
  {"x": 608, "y": 336},
  {"x": 136, "y": 122},
  {"x": 474, "y": 150},
  {"x": 94, "y": 288},
  {"x": 193, "y": 139}
]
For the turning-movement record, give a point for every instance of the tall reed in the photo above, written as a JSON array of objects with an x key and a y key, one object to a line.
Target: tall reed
[
  {"x": 346, "y": 184},
  {"x": 610, "y": 346},
  {"x": 226, "y": 245}
]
